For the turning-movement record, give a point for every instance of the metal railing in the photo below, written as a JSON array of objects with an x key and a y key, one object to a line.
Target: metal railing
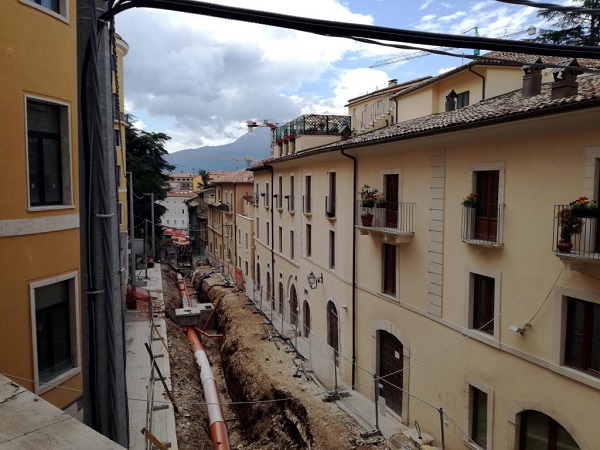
[
  {"x": 320, "y": 124},
  {"x": 391, "y": 217},
  {"x": 482, "y": 224},
  {"x": 576, "y": 233}
]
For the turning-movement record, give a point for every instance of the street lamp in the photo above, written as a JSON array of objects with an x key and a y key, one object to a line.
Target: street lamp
[{"x": 313, "y": 280}]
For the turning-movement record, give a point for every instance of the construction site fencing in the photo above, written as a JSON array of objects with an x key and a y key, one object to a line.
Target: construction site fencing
[{"x": 229, "y": 270}]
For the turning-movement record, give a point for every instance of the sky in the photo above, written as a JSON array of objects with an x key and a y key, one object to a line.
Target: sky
[{"x": 199, "y": 79}]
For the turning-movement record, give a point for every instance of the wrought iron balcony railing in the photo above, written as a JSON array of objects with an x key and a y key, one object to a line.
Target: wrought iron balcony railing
[
  {"x": 323, "y": 124},
  {"x": 576, "y": 233},
  {"x": 393, "y": 217},
  {"x": 482, "y": 224}
]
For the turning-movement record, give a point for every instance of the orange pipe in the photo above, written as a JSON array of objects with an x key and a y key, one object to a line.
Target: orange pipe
[{"x": 218, "y": 430}]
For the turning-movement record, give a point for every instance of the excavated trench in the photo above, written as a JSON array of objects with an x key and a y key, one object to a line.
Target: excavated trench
[{"x": 259, "y": 413}]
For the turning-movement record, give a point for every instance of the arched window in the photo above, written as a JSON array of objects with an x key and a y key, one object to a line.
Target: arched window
[
  {"x": 270, "y": 298},
  {"x": 306, "y": 319},
  {"x": 293, "y": 307},
  {"x": 333, "y": 330},
  {"x": 281, "y": 299},
  {"x": 541, "y": 432}
]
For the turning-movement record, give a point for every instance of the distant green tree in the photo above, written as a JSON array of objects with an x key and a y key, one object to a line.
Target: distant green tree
[
  {"x": 572, "y": 28},
  {"x": 145, "y": 159},
  {"x": 205, "y": 180}
]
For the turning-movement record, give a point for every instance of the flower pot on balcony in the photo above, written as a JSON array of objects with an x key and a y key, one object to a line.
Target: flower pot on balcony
[
  {"x": 366, "y": 220},
  {"x": 586, "y": 213},
  {"x": 564, "y": 247}
]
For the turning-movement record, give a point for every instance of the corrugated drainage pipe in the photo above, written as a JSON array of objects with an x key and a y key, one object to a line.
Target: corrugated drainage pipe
[{"x": 218, "y": 430}]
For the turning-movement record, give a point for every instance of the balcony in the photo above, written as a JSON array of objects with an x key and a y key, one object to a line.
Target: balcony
[
  {"x": 330, "y": 207},
  {"x": 392, "y": 223},
  {"x": 306, "y": 204},
  {"x": 576, "y": 234},
  {"x": 320, "y": 124},
  {"x": 482, "y": 225}
]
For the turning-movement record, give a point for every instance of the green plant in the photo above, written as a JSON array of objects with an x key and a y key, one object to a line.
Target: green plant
[
  {"x": 367, "y": 198},
  {"x": 470, "y": 200},
  {"x": 583, "y": 203},
  {"x": 568, "y": 223}
]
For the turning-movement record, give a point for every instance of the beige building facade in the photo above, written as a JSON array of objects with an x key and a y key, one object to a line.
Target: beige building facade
[{"x": 474, "y": 311}]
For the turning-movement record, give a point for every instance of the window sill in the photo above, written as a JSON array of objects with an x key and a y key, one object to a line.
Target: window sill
[
  {"x": 54, "y": 382},
  {"x": 483, "y": 337},
  {"x": 483, "y": 244},
  {"x": 49, "y": 208}
]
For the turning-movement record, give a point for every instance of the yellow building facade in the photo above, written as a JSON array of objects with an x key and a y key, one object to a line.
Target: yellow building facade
[{"x": 39, "y": 218}]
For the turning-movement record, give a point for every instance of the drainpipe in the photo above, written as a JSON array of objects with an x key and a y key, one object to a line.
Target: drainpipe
[
  {"x": 354, "y": 218},
  {"x": 482, "y": 82},
  {"x": 270, "y": 169}
]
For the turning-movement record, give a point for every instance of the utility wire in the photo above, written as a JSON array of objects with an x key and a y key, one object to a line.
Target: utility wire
[{"x": 351, "y": 30}]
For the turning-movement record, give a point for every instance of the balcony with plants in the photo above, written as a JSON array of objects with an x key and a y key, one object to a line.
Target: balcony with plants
[
  {"x": 576, "y": 231},
  {"x": 481, "y": 222},
  {"x": 311, "y": 124},
  {"x": 389, "y": 221}
]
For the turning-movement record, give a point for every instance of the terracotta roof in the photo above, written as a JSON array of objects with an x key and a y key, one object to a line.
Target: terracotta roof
[
  {"x": 505, "y": 107},
  {"x": 241, "y": 176},
  {"x": 507, "y": 59},
  {"x": 178, "y": 193}
]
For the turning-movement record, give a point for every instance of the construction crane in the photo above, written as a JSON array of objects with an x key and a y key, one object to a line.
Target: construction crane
[{"x": 396, "y": 59}]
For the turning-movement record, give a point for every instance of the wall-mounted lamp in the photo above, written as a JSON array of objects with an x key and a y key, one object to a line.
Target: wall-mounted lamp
[
  {"x": 518, "y": 329},
  {"x": 313, "y": 280}
]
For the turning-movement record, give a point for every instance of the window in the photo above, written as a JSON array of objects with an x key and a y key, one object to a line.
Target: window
[
  {"x": 281, "y": 299},
  {"x": 462, "y": 99},
  {"x": 267, "y": 195},
  {"x": 486, "y": 211},
  {"x": 174, "y": 221},
  {"x": 582, "y": 350},
  {"x": 389, "y": 269},
  {"x": 330, "y": 200},
  {"x": 246, "y": 267},
  {"x": 54, "y": 316},
  {"x": 268, "y": 233},
  {"x": 280, "y": 193},
  {"x": 117, "y": 138},
  {"x": 183, "y": 211},
  {"x": 294, "y": 307},
  {"x": 291, "y": 244},
  {"x": 119, "y": 174},
  {"x": 257, "y": 228},
  {"x": 483, "y": 303},
  {"x": 291, "y": 197},
  {"x": 120, "y": 212},
  {"x": 48, "y": 154},
  {"x": 541, "y": 432},
  {"x": 308, "y": 240},
  {"x": 479, "y": 419},
  {"x": 246, "y": 243},
  {"x": 306, "y": 200},
  {"x": 58, "y": 7},
  {"x": 331, "y": 249},
  {"x": 306, "y": 327},
  {"x": 280, "y": 230}
]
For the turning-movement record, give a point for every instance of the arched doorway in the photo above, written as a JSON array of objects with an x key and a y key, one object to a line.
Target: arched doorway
[
  {"x": 391, "y": 353},
  {"x": 293, "y": 306},
  {"x": 270, "y": 297},
  {"x": 333, "y": 331},
  {"x": 258, "y": 277},
  {"x": 306, "y": 315},
  {"x": 281, "y": 299},
  {"x": 541, "y": 432}
]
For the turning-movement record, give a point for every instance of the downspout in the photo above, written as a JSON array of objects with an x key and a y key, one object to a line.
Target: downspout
[
  {"x": 482, "y": 82},
  {"x": 354, "y": 218},
  {"x": 272, "y": 207}
]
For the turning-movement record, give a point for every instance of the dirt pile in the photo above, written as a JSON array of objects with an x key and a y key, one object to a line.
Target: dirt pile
[{"x": 266, "y": 406}]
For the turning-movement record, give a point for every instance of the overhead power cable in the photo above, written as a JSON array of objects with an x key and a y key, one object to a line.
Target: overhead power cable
[
  {"x": 554, "y": 7},
  {"x": 351, "y": 30}
]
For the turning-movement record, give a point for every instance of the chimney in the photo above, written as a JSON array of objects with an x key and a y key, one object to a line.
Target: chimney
[
  {"x": 392, "y": 82},
  {"x": 345, "y": 133},
  {"x": 450, "y": 100},
  {"x": 564, "y": 79},
  {"x": 532, "y": 80}
]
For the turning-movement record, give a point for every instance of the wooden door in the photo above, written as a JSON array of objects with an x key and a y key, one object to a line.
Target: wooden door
[
  {"x": 333, "y": 330},
  {"x": 390, "y": 369},
  {"x": 486, "y": 220},
  {"x": 391, "y": 200}
]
